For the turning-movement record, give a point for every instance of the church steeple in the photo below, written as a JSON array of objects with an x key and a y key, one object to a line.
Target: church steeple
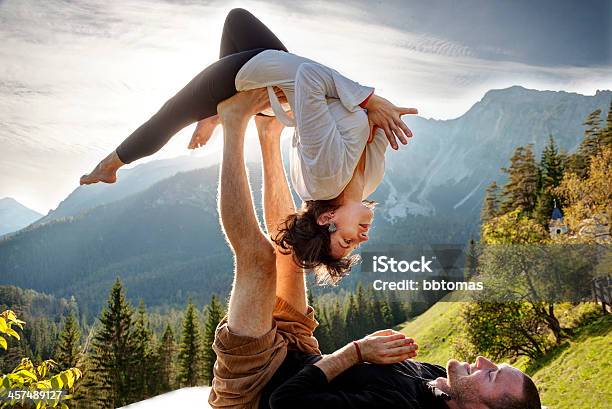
[{"x": 556, "y": 226}]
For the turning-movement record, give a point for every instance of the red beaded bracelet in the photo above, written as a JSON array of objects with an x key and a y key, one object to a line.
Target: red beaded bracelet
[
  {"x": 358, "y": 351},
  {"x": 365, "y": 101}
]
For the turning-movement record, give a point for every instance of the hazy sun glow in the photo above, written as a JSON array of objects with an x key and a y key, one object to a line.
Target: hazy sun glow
[{"x": 76, "y": 79}]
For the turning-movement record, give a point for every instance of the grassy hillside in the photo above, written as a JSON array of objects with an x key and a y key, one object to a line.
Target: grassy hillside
[
  {"x": 433, "y": 331},
  {"x": 578, "y": 373},
  {"x": 574, "y": 375}
]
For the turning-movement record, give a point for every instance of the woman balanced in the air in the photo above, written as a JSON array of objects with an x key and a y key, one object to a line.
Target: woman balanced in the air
[{"x": 337, "y": 158}]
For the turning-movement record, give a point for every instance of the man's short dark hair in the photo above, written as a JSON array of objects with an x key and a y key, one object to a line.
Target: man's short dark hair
[{"x": 530, "y": 398}]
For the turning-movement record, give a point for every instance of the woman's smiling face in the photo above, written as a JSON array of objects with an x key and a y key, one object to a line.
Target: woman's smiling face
[{"x": 353, "y": 221}]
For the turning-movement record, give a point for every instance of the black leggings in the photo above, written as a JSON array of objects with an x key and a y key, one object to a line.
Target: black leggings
[{"x": 244, "y": 36}]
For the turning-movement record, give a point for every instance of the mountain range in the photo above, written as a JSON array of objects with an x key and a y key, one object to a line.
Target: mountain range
[
  {"x": 15, "y": 216},
  {"x": 448, "y": 165},
  {"x": 158, "y": 227}
]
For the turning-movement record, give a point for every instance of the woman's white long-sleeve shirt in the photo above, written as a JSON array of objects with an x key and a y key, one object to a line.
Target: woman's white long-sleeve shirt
[{"x": 331, "y": 129}]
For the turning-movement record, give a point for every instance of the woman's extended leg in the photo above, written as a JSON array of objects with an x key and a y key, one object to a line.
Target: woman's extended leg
[
  {"x": 197, "y": 100},
  {"x": 242, "y": 31},
  {"x": 244, "y": 36}
]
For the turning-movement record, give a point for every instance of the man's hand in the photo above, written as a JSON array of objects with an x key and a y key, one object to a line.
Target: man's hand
[
  {"x": 382, "y": 347},
  {"x": 387, "y": 347},
  {"x": 383, "y": 114}
]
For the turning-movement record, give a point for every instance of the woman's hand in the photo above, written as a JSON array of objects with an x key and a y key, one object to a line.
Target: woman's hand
[
  {"x": 387, "y": 347},
  {"x": 383, "y": 114}
]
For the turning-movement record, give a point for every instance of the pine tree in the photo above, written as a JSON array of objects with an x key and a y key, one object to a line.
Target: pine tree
[
  {"x": 67, "y": 353},
  {"x": 338, "y": 327},
  {"x": 111, "y": 358},
  {"x": 387, "y": 316},
  {"x": 606, "y": 136},
  {"x": 141, "y": 339},
  {"x": 397, "y": 308},
  {"x": 551, "y": 164},
  {"x": 363, "y": 316},
  {"x": 374, "y": 310},
  {"x": 471, "y": 260},
  {"x": 87, "y": 394},
  {"x": 322, "y": 332},
  {"x": 591, "y": 144},
  {"x": 521, "y": 189},
  {"x": 73, "y": 308},
  {"x": 551, "y": 173},
  {"x": 190, "y": 350},
  {"x": 351, "y": 319},
  {"x": 310, "y": 298},
  {"x": 214, "y": 313},
  {"x": 166, "y": 358},
  {"x": 153, "y": 367},
  {"x": 490, "y": 208}
]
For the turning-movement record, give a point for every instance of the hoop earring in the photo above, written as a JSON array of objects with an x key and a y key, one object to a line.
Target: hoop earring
[{"x": 331, "y": 227}]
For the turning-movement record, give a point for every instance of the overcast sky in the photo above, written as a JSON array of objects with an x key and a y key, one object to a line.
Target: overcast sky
[{"x": 76, "y": 77}]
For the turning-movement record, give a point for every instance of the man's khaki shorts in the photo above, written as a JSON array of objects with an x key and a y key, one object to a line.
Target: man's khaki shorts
[{"x": 245, "y": 364}]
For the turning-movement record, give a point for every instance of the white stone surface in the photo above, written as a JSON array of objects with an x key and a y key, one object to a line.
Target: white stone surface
[{"x": 185, "y": 398}]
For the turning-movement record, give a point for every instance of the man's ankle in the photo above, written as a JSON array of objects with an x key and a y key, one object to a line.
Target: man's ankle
[{"x": 234, "y": 117}]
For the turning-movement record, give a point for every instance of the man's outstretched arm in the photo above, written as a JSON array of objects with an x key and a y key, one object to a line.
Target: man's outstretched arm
[
  {"x": 253, "y": 294},
  {"x": 278, "y": 204}
]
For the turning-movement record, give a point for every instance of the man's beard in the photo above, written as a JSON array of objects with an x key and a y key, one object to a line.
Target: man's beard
[{"x": 462, "y": 390}]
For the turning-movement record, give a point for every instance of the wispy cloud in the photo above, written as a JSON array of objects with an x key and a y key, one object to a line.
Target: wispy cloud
[{"x": 78, "y": 76}]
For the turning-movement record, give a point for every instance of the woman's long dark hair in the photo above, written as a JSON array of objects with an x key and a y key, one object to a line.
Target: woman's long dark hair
[{"x": 310, "y": 242}]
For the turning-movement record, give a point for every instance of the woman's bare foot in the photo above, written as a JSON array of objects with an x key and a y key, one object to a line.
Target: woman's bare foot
[
  {"x": 203, "y": 132},
  {"x": 106, "y": 171}
]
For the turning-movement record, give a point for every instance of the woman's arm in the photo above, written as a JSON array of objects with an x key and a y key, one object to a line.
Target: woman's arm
[
  {"x": 315, "y": 82},
  {"x": 327, "y": 82}
]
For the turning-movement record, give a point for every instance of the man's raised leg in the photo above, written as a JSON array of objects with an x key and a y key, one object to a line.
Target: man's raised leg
[
  {"x": 248, "y": 345},
  {"x": 254, "y": 289},
  {"x": 294, "y": 320},
  {"x": 278, "y": 204}
]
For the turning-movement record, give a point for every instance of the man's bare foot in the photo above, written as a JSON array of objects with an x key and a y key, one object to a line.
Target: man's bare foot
[
  {"x": 106, "y": 171},
  {"x": 203, "y": 132}
]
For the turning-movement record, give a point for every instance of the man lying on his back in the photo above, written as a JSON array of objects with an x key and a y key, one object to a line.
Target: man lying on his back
[
  {"x": 348, "y": 379},
  {"x": 266, "y": 351}
]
